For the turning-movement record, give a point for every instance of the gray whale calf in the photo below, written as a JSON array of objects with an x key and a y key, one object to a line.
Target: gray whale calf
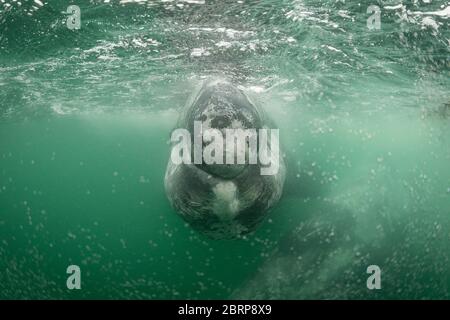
[{"x": 223, "y": 200}]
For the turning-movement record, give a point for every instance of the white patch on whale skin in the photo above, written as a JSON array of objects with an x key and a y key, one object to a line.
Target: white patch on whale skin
[{"x": 226, "y": 204}]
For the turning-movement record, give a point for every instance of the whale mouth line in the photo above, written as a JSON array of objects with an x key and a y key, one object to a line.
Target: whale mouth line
[{"x": 224, "y": 171}]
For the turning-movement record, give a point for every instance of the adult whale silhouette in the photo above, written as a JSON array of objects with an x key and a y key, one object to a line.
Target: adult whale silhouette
[{"x": 223, "y": 201}]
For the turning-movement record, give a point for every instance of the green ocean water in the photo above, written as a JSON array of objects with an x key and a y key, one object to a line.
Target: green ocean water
[{"x": 85, "y": 122}]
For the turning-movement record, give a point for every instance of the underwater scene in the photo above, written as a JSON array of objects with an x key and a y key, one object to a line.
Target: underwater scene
[{"x": 117, "y": 180}]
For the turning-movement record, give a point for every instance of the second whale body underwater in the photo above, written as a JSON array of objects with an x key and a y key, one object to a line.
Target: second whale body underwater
[{"x": 224, "y": 200}]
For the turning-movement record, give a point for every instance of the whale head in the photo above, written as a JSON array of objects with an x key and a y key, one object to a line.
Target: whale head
[{"x": 222, "y": 199}]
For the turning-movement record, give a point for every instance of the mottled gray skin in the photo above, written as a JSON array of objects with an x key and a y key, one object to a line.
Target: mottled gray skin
[{"x": 222, "y": 201}]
